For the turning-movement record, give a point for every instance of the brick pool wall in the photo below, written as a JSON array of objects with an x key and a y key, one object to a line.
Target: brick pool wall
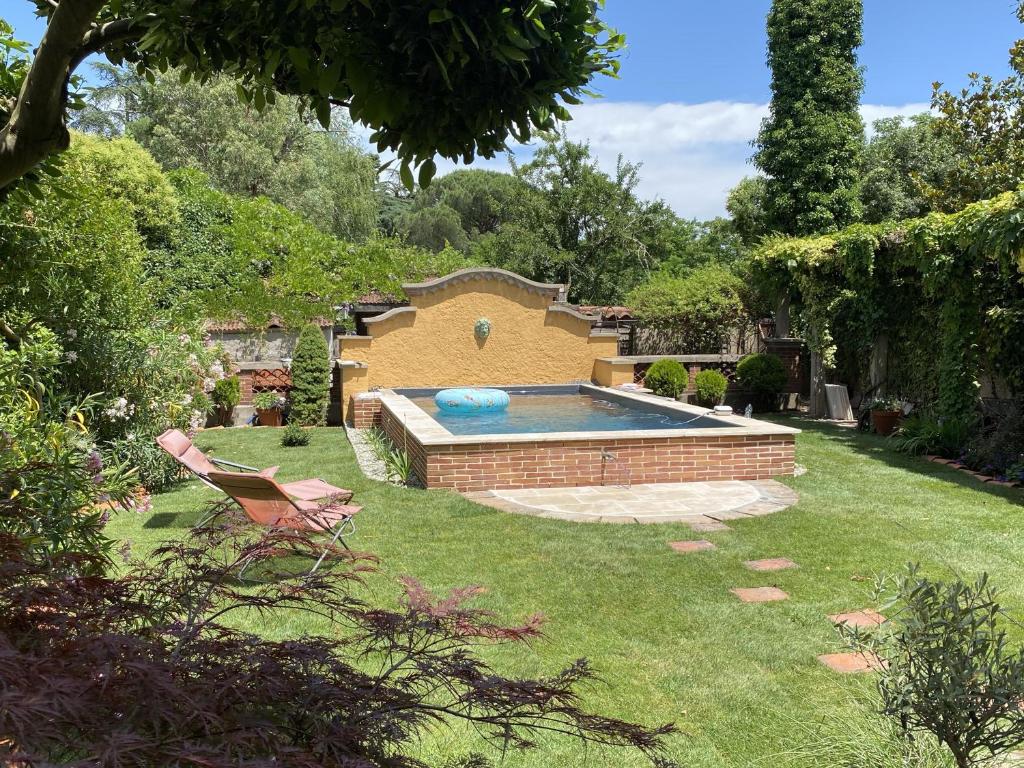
[
  {"x": 366, "y": 411},
  {"x": 401, "y": 438},
  {"x": 493, "y": 466}
]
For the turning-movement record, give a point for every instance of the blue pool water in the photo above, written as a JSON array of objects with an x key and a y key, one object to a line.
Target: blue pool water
[{"x": 531, "y": 413}]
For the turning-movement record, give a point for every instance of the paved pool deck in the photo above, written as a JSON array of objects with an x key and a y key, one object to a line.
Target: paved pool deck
[{"x": 700, "y": 504}]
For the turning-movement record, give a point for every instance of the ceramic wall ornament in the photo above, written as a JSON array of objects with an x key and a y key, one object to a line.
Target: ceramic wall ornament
[{"x": 482, "y": 329}]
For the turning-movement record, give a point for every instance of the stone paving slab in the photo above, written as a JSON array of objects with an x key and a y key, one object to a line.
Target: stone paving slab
[
  {"x": 773, "y": 564},
  {"x": 687, "y": 547},
  {"x": 865, "y": 619},
  {"x": 759, "y": 594},
  {"x": 703, "y": 505},
  {"x": 850, "y": 663}
]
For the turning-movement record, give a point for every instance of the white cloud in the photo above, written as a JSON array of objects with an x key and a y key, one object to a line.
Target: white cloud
[{"x": 692, "y": 154}]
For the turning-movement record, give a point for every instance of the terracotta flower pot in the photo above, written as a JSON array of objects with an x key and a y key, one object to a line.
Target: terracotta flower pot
[
  {"x": 269, "y": 417},
  {"x": 885, "y": 422}
]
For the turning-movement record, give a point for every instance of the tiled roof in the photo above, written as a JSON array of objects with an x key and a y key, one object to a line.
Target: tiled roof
[
  {"x": 608, "y": 313},
  {"x": 378, "y": 297}
]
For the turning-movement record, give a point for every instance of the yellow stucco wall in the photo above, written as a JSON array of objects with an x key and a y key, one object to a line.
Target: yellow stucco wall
[
  {"x": 435, "y": 346},
  {"x": 609, "y": 373}
]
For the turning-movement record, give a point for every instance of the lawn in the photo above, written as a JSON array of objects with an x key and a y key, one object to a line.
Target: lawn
[{"x": 670, "y": 641}]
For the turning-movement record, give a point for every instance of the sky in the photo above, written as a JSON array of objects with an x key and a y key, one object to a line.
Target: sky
[{"x": 694, "y": 84}]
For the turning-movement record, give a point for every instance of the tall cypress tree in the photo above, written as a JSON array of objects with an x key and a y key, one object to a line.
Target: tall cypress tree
[
  {"x": 810, "y": 145},
  {"x": 311, "y": 378}
]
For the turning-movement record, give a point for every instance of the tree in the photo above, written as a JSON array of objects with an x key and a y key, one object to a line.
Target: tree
[
  {"x": 278, "y": 153},
  {"x": 311, "y": 378},
  {"x": 809, "y": 146},
  {"x": 692, "y": 244},
  {"x": 477, "y": 201},
  {"x": 983, "y": 125},
  {"x": 602, "y": 239},
  {"x": 427, "y": 79},
  {"x": 747, "y": 207},
  {"x": 901, "y": 162},
  {"x": 699, "y": 310}
]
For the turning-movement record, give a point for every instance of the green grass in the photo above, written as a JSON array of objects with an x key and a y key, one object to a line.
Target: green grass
[{"x": 670, "y": 641}]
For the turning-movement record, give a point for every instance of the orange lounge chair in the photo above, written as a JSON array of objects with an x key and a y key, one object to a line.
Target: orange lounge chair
[
  {"x": 267, "y": 503},
  {"x": 177, "y": 444}
]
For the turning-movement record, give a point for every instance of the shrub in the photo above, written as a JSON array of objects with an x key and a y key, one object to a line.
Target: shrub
[
  {"x": 999, "y": 445},
  {"x": 294, "y": 436},
  {"x": 52, "y": 478},
  {"x": 948, "y": 668},
  {"x": 699, "y": 310},
  {"x": 764, "y": 374},
  {"x": 311, "y": 378},
  {"x": 79, "y": 656},
  {"x": 920, "y": 434},
  {"x": 667, "y": 378},
  {"x": 711, "y": 386},
  {"x": 227, "y": 393}
]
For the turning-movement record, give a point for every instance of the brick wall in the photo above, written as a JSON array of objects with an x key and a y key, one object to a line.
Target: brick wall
[
  {"x": 245, "y": 383},
  {"x": 792, "y": 352},
  {"x": 396, "y": 431},
  {"x": 580, "y": 463},
  {"x": 365, "y": 411}
]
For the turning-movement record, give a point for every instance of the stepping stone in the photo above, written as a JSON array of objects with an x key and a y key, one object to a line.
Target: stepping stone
[
  {"x": 774, "y": 564},
  {"x": 686, "y": 547},
  {"x": 866, "y": 619},
  {"x": 850, "y": 663},
  {"x": 759, "y": 594},
  {"x": 708, "y": 526}
]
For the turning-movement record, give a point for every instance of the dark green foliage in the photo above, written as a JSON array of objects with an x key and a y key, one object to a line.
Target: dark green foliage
[
  {"x": 444, "y": 78},
  {"x": 998, "y": 445},
  {"x": 920, "y": 434},
  {"x": 311, "y": 378},
  {"x": 294, "y": 436},
  {"x": 276, "y": 153},
  {"x": 227, "y": 392},
  {"x": 764, "y": 374},
  {"x": 667, "y": 378},
  {"x": 699, "y": 310},
  {"x": 949, "y": 668},
  {"x": 747, "y": 208},
  {"x": 809, "y": 146},
  {"x": 983, "y": 129},
  {"x": 710, "y": 386},
  {"x": 901, "y": 161}
]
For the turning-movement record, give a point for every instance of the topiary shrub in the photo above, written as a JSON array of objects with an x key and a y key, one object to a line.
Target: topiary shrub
[
  {"x": 711, "y": 386},
  {"x": 763, "y": 374},
  {"x": 667, "y": 378},
  {"x": 294, "y": 436},
  {"x": 311, "y": 378}
]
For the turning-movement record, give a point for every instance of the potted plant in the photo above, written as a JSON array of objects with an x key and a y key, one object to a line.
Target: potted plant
[
  {"x": 268, "y": 406},
  {"x": 885, "y": 414},
  {"x": 227, "y": 393},
  {"x": 762, "y": 377}
]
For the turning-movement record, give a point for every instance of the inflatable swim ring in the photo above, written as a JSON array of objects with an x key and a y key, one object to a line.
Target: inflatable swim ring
[{"x": 469, "y": 401}]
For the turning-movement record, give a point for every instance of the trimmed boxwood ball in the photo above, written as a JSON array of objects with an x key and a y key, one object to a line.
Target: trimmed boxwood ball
[
  {"x": 711, "y": 386},
  {"x": 311, "y": 378},
  {"x": 667, "y": 378},
  {"x": 763, "y": 374}
]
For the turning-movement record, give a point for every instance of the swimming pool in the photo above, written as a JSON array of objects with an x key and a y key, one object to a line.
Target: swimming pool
[
  {"x": 540, "y": 411},
  {"x": 576, "y": 435}
]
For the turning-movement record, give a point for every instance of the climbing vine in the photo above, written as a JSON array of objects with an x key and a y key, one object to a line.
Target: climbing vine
[{"x": 955, "y": 279}]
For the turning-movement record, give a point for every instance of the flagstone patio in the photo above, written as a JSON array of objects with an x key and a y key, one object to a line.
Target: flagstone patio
[{"x": 705, "y": 506}]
